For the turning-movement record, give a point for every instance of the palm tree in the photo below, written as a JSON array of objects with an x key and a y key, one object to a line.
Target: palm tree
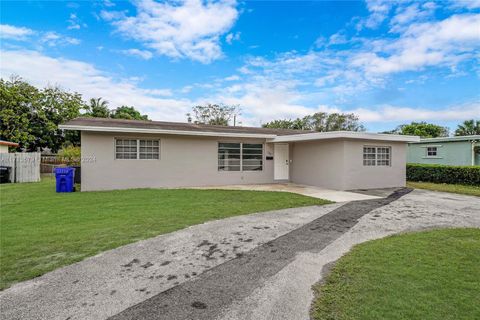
[
  {"x": 468, "y": 128},
  {"x": 99, "y": 108}
]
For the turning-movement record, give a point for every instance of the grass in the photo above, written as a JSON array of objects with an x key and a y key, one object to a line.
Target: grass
[
  {"x": 454, "y": 188},
  {"x": 425, "y": 275},
  {"x": 41, "y": 230}
]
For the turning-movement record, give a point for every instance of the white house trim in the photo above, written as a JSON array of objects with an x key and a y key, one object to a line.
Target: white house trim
[
  {"x": 163, "y": 131},
  {"x": 345, "y": 135}
]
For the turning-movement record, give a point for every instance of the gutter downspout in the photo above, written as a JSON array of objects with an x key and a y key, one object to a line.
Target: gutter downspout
[{"x": 473, "y": 151}]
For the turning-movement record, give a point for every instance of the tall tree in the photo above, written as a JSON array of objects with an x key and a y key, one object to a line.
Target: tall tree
[
  {"x": 31, "y": 116},
  {"x": 320, "y": 121},
  {"x": 126, "y": 112},
  {"x": 19, "y": 103},
  {"x": 216, "y": 114},
  {"x": 468, "y": 128},
  {"x": 422, "y": 129},
  {"x": 98, "y": 108}
]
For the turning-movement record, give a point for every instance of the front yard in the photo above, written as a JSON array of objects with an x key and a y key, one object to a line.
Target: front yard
[
  {"x": 426, "y": 275},
  {"x": 41, "y": 230}
]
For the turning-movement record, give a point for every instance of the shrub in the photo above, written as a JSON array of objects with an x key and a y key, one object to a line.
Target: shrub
[
  {"x": 70, "y": 155},
  {"x": 444, "y": 174}
]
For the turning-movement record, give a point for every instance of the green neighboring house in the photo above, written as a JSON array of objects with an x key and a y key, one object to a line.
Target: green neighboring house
[{"x": 457, "y": 151}]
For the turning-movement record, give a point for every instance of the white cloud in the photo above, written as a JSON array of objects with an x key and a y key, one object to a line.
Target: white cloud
[
  {"x": 407, "y": 114},
  {"x": 415, "y": 12},
  {"x": 159, "y": 92},
  {"x": 232, "y": 37},
  {"x": 14, "y": 33},
  {"x": 337, "y": 38},
  {"x": 264, "y": 101},
  {"x": 52, "y": 39},
  {"x": 75, "y": 23},
  {"x": 108, "y": 3},
  {"x": 379, "y": 10},
  {"x": 91, "y": 83},
  {"x": 49, "y": 38},
  {"x": 182, "y": 29},
  {"x": 442, "y": 43},
  {"x": 469, "y": 4},
  {"x": 144, "y": 54},
  {"x": 232, "y": 78}
]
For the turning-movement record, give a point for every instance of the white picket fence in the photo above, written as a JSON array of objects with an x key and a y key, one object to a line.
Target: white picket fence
[{"x": 25, "y": 167}]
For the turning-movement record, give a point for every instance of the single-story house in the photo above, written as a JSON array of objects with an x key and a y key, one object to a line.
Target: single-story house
[
  {"x": 4, "y": 145},
  {"x": 458, "y": 151},
  {"x": 121, "y": 154}
]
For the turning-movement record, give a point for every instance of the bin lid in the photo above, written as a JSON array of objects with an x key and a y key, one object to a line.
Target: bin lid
[{"x": 64, "y": 170}]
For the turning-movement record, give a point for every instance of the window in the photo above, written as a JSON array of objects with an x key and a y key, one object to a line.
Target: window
[
  {"x": 376, "y": 156},
  {"x": 252, "y": 157},
  {"x": 137, "y": 149},
  {"x": 126, "y": 149},
  {"x": 149, "y": 149},
  {"x": 229, "y": 156},
  {"x": 432, "y": 151},
  {"x": 240, "y": 156}
]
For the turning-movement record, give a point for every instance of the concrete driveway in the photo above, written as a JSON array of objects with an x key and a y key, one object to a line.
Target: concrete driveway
[
  {"x": 259, "y": 266},
  {"x": 310, "y": 191}
]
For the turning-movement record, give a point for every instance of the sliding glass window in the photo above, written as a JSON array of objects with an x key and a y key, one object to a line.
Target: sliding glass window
[
  {"x": 229, "y": 155},
  {"x": 240, "y": 156},
  {"x": 252, "y": 157}
]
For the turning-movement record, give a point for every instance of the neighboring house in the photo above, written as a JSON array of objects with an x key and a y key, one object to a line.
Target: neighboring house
[
  {"x": 459, "y": 151},
  {"x": 4, "y": 145},
  {"x": 121, "y": 154}
]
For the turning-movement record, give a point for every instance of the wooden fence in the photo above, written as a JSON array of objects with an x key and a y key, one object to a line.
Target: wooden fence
[
  {"x": 25, "y": 167},
  {"x": 49, "y": 163}
]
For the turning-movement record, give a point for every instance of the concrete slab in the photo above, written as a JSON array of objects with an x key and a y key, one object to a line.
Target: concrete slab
[{"x": 311, "y": 191}]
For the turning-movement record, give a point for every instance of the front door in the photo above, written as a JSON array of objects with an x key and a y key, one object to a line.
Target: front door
[{"x": 280, "y": 161}]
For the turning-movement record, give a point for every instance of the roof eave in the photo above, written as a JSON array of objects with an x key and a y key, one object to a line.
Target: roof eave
[
  {"x": 9, "y": 144},
  {"x": 345, "y": 135},
  {"x": 169, "y": 132},
  {"x": 450, "y": 139}
]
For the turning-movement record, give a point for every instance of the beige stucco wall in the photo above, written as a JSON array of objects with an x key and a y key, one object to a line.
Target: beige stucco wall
[
  {"x": 3, "y": 149},
  {"x": 358, "y": 176},
  {"x": 318, "y": 163},
  {"x": 184, "y": 161},
  {"x": 192, "y": 161},
  {"x": 338, "y": 164}
]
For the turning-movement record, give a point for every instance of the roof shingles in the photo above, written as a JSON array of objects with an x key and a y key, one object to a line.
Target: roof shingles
[{"x": 177, "y": 126}]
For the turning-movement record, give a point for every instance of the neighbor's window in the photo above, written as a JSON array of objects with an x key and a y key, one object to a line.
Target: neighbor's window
[
  {"x": 137, "y": 149},
  {"x": 240, "y": 156},
  {"x": 376, "y": 156},
  {"x": 432, "y": 151}
]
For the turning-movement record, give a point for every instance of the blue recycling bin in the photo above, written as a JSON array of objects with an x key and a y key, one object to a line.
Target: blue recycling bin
[{"x": 65, "y": 179}]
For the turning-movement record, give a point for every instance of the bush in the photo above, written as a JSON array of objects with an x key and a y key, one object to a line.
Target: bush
[
  {"x": 444, "y": 174},
  {"x": 71, "y": 155}
]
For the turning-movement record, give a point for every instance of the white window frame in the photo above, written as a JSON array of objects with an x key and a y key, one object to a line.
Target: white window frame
[
  {"x": 241, "y": 156},
  {"x": 138, "y": 148},
  {"x": 376, "y": 159},
  {"x": 432, "y": 149},
  {"x": 437, "y": 156}
]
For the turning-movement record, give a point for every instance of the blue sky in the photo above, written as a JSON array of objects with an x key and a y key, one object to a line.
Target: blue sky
[{"x": 388, "y": 62}]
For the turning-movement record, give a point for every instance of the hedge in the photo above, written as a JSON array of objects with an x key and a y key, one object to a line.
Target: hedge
[{"x": 444, "y": 174}]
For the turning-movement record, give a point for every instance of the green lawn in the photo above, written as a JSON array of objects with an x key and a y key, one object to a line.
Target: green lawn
[
  {"x": 426, "y": 275},
  {"x": 41, "y": 230},
  {"x": 454, "y": 188}
]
